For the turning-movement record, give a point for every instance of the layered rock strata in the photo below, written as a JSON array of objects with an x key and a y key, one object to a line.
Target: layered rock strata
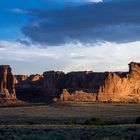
[
  {"x": 73, "y": 86},
  {"x": 125, "y": 89}
]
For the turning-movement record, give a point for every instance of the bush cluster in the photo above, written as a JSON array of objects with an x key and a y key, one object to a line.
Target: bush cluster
[
  {"x": 94, "y": 121},
  {"x": 138, "y": 120}
]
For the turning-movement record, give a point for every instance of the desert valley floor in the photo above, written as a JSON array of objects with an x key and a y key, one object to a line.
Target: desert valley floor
[
  {"x": 65, "y": 120},
  {"x": 70, "y": 106},
  {"x": 63, "y": 112}
]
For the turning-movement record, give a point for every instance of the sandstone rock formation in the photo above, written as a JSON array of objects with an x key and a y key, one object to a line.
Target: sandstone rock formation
[
  {"x": 7, "y": 90},
  {"x": 52, "y": 83},
  {"x": 29, "y": 88},
  {"x": 77, "y": 96},
  {"x": 108, "y": 86},
  {"x": 76, "y": 86},
  {"x": 125, "y": 89},
  {"x": 35, "y": 77},
  {"x": 20, "y": 78}
]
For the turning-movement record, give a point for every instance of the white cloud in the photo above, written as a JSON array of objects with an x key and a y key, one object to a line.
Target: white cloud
[
  {"x": 95, "y": 0},
  {"x": 71, "y": 57},
  {"x": 81, "y": 1},
  {"x": 8, "y": 45}
]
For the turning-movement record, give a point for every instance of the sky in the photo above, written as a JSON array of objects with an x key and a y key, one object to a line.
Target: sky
[{"x": 69, "y": 35}]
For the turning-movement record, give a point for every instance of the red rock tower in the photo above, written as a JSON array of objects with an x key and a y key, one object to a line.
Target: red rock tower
[{"x": 7, "y": 90}]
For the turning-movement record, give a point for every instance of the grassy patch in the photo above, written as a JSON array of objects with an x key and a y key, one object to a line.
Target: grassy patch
[
  {"x": 94, "y": 121},
  {"x": 71, "y": 122}
]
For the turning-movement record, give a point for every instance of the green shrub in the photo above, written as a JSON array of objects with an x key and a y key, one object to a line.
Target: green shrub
[
  {"x": 94, "y": 121},
  {"x": 30, "y": 122},
  {"x": 138, "y": 120},
  {"x": 71, "y": 122}
]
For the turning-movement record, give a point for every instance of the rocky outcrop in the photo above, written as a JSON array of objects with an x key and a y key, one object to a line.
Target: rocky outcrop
[
  {"x": 35, "y": 77},
  {"x": 125, "y": 89},
  {"x": 29, "y": 88},
  {"x": 7, "y": 90},
  {"x": 52, "y": 83},
  {"x": 87, "y": 81},
  {"x": 108, "y": 86},
  {"x": 74, "y": 86},
  {"x": 80, "y": 84},
  {"x": 20, "y": 78},
  {"x": 77, "y": 95}
]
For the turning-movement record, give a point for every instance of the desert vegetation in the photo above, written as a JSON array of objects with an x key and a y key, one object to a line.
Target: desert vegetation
[
  {"x": 94, "y": 121},
  {"x": 69, "y": 120},
  {"x": 138, "y": 120},
  {"x": 70, "y": 112},
  {"x": 109, "y": 133}
]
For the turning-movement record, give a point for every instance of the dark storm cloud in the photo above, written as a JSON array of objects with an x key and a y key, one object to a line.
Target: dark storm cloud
[
  {"x": 23, "y": 42},
  {"x": 114, "y": 21}
]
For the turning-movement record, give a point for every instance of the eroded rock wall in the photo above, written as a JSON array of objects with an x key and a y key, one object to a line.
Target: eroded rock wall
[
  {"x": 53, "y": 83},
  {"x": 125, "y": 89},
  {"x": 82, "y": 86},
  {"x": 29, "y": 88},
  {"x": 78, "y": 95},
  {"x": 87, "y": 81},
  {"x": 20, "y": 78}
]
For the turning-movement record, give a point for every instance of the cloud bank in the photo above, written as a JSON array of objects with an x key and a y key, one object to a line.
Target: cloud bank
[
  {"x": 71, "y": 57},
  {"x": 112, "y": 21}
]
